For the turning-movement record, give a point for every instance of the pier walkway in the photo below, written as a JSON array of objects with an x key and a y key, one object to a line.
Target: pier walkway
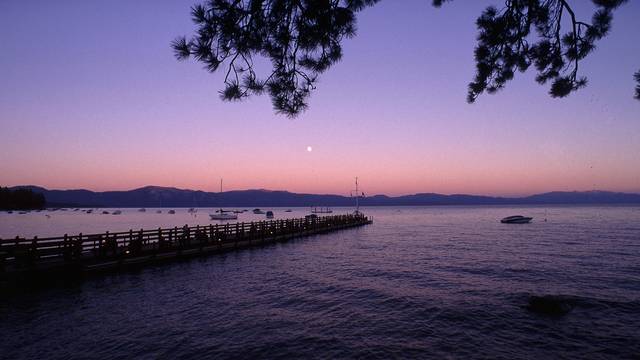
[{"x": 116, "y": 250}]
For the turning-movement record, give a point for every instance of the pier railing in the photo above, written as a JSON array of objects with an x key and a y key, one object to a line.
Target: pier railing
[{"x": 23, "y": 253}]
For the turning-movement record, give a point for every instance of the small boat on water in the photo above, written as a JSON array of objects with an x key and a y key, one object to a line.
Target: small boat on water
[
  {"x": 89, "y": 211},
  {"x": 142, "y": 210},
  {"x": 171, "y": 212},
  {"x": 221, "y": 214},
  {"x": 105, "y": 212},
  {"x": 288, "y": 210},
  {"x": 516, "y": 219},
  {"x": 258, "y": 211},
  {"x": 269, "y": 214},
  {"x": 117, "y": 212}
]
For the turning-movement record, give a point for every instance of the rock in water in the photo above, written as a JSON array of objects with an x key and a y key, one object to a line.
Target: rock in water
[{"x": 550, "y": 305}]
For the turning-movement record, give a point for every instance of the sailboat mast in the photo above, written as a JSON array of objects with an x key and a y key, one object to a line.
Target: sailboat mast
[{"x": 357, "y": 196}]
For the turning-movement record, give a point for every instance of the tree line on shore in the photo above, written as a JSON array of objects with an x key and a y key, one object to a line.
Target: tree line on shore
[{"x": 20, "y": 199}]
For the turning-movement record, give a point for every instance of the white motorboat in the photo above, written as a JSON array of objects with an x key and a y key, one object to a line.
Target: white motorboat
[{"x": 516, "y": 219}]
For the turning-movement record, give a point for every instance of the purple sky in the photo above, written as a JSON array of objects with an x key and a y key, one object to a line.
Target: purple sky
[{"x": 92, "y": 97}]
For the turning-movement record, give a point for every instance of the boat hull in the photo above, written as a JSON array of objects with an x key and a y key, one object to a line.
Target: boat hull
[
  {"x": 223, "y": 217},
  {"x": 519, "y": 220}
]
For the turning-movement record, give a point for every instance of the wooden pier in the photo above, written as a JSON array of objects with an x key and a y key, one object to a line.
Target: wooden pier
[{"x": 82, "y": 253}]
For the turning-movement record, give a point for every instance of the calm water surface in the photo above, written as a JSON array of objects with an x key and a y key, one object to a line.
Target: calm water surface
[{"x": 444, "y": 282}]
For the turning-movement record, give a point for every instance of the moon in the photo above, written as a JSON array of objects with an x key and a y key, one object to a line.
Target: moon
[{"x": 309, "y": 148}]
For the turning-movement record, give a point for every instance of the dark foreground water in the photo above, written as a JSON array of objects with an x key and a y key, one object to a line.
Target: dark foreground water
[{"x": 441, "y": 282}]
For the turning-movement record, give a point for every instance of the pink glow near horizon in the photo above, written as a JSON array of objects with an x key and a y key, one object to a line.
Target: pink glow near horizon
[{"x": 95, "y": 109}]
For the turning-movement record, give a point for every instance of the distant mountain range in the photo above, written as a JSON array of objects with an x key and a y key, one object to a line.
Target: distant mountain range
[{"x": 155, "y": 196}]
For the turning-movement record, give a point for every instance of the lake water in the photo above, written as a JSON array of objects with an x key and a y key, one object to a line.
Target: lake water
[{"x": 441, "y": 282}]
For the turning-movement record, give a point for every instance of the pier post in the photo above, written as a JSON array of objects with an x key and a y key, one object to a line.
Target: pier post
[
  {"x": 34, "y": 251},
  {"x": 67, "y": 248},
  {"x": 77, "y": 251}
]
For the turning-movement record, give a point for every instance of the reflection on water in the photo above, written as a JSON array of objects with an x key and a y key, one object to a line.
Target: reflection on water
[{"x": 434, "y": 281}]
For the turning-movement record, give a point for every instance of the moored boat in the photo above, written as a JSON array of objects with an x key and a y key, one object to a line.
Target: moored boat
[
  {"x": 516, "y": 219},
  {"x": 223, "y": 216}
]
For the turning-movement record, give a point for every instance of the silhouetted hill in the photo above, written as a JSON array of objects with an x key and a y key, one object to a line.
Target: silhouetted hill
[
  {"x": 156, "y": 196},
  {"x": 584, "y": 197},
  {"x": 20, "y": 199}
]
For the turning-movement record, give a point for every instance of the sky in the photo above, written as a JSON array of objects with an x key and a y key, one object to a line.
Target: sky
[{"x": 92, "y": 97}]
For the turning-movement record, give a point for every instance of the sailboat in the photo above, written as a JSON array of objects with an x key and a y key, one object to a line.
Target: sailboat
[
  {"x": 222, "y": 214},
  {"x": 358, "y": 195}
]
